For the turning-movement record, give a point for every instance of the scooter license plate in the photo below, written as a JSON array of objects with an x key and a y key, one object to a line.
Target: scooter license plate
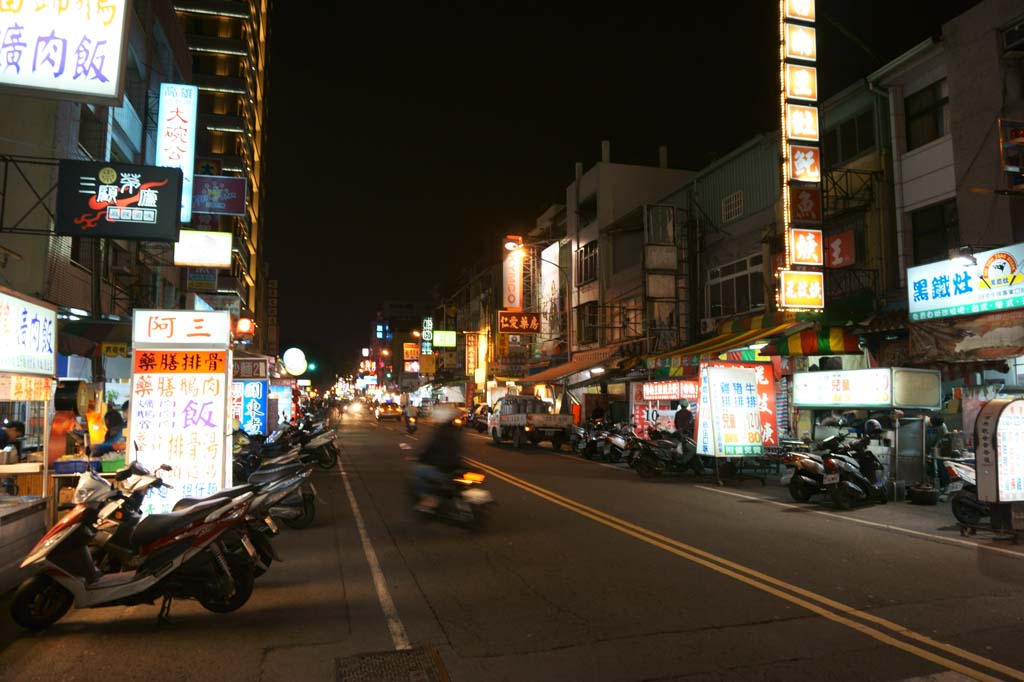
[
  {"x": 830, "y": 479},
  {"x": 247, "y": 543},
  {"x": 956, "y": 486},
  {"x": 271, "y": 525}
]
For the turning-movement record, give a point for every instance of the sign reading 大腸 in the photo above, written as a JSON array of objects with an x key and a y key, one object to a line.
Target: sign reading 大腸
[
  {"x": 949, "y": 287},
  {"x": 64, "y": 49}
]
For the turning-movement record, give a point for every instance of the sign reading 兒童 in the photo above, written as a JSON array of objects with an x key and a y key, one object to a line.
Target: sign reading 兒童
[
  {"x": 181, "y": 375},
  {"x": 950, "y": 287}
]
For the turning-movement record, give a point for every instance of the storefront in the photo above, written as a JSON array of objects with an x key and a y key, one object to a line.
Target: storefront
[
  {"x": 654, "y": 404},
  {"x": 28, "y": 366}
]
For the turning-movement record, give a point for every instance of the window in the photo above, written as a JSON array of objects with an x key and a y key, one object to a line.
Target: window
[
  {"x": 586, "y": 263},
  {"x": 936, "y": 231},
  {"x": 81, "y": 251},
  {"x": 735, "y": 288},
  {"x": 849, "y": 139},
  {"x": 732, "y": 206},
  {"x": 661, "y": 224},
  {"x": 927, "y": 114},
  {"x": 586, "y": 322}
]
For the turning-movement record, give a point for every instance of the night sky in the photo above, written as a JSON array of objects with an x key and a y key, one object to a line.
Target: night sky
[{"x": 404, "y": 139}]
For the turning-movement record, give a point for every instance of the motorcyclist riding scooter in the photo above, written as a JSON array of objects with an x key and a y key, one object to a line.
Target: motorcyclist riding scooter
[{"x": 439, "y": 459}]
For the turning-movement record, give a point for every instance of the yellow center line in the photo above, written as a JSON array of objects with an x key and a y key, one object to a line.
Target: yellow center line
[{"x": 771, "y": 585}]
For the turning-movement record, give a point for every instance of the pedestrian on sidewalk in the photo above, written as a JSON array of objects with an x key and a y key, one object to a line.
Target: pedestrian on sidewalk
[{"x": 684, "y": 419}]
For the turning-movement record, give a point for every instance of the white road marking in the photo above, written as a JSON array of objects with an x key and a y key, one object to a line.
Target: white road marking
[
  {"x": 865, "y": 522},
  {"x": 387, "y": 604}
]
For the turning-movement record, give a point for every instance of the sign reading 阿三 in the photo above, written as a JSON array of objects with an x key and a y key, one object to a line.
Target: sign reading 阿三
[{"x": 954, "y": 287}]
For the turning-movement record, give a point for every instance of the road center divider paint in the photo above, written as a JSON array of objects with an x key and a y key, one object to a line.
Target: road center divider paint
[{"x": 823, "y": 606}]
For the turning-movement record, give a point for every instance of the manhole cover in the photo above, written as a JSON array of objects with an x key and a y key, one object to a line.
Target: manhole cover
[{"x": 412, "y": 665}]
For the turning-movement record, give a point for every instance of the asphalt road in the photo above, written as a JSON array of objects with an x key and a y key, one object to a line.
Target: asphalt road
[{"x": 586, "y": 572}]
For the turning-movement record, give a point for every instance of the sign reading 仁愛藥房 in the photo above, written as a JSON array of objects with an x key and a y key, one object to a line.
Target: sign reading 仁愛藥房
[
  {"x": 513, "y": 322},
  {"x": 67, "y": 49},
  {"x": 954, "y": 287},
  {"x": 117, "y": 200},
  {"x": 28, "y": 336}
]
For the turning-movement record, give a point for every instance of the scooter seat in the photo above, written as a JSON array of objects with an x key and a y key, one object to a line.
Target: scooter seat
[
  {"x": 227, "y": 493},
  {"x": 156, "y": 526},
  {"x": 273, "y": 473},
  {"x": 666, "y": 444}
]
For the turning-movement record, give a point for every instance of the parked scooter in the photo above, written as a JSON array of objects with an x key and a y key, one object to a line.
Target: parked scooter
[
  {"x": 668, "y": 457},
  {"x": 462, "y": 500},
  {"x": 853, "y": 476},
  {"x": 963, "y": 486},
  {"x": 182, "y": 555}
]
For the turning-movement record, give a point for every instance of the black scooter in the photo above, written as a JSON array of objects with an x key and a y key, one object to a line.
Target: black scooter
[
  {"x": 850, "y": 477},
  {"x": 668, "y": 457}
]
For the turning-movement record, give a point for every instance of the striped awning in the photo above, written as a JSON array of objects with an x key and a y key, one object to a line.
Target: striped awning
[
  {"x": 673, "y": 364},
  {"x": 819, "y": 341}
]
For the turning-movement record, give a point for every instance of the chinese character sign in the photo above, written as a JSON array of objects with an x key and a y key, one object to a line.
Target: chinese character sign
[
  {"x": 806, "y": 205},
  {"x": 858, "y": 387},
  {"x": 512, "y": 280},
  {"x": 804, "y": 163},
  {"x": 176, "y": 136},
  {"x": 734, "y": 411},
  {"x": 472, "y": 349},
  {"x": 805, "y": 245},
  {"x": 841, "y": 250},
  {"x": 804, "y": 289},
  {"x": 801, "y": 82},
  {"x": 669, "y": 390},
  {"x": 427, "y": 336},
  {"x": 410, "y": 351},
  {"x": 28, "y": 337},
  {"x": 801, "y": 42},
  {"x": 514, "y": 322},
  {"x": 179, "y": 417},
  {"x": 71, "y": 49},
  {"x": 249, "y": 405},
  {"x": 250, "y": 368},
  {"x": 219, "y": 195},
  {"x": 800, "y": 9},
  {"x": 950, "y": 287},
  {"x": 170, "y": 328},
  {"x": 764, "y": 377},
  {"x": 122, "y": 201}
]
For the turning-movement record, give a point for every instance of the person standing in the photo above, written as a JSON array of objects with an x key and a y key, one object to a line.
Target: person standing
[{"x": 683, "y": 421}]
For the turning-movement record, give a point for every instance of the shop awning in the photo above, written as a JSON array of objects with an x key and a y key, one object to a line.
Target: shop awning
[
  {"x": 725, "y": 342},
  {"x": 580, "y": 361},
  {"x": 80, "y": 337},
  {"x": 821, "y": 341}
]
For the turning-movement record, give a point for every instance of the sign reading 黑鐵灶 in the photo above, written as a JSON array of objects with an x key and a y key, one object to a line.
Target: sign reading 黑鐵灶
[
  {"x": 949, "y": 287},
  {"x": 28, "y": 336},
  {"x": 67, "y": 49},
  {"x": 118, "y": 200}
]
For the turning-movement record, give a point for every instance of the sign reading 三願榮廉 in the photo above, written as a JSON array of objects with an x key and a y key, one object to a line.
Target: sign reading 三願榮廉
[
  {"x": 28, "y": 337},
  {"x": 64, "y": 49},
  {"x": 219, "y": 195},
  {"x": 427, "y": 336},
  {"x": 513, "y": 322},
  {"x": 203, "y": 249},
  {"x": 249, "y": 405},
  {"x": 179, "y": 408},
  {"x": 118, "y": 200},
  {"x": 733, "y": 412},
  {"x": 947, "y": 288},
  {"x": 176, "y": 136},
  {"x": 189, "y": 328}
]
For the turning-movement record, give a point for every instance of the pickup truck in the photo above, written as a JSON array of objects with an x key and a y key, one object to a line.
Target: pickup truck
[{"x": 524, "y": 418}]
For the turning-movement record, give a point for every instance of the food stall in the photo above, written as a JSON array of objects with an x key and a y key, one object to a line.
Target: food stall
[
  {"x": 28, "y": 365},
  {"x": 654, "y": 403},
  {"x": 901, "y": 397}
]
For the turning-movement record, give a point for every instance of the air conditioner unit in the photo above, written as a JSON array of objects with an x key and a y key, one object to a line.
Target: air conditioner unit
[{"x": 707, "y": 325}]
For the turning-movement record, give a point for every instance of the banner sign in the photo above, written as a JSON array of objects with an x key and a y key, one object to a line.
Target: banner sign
[
  {"x": 953, "y": 287},
  {"x": 64, "y": 49},
  {"x": 176, "y": 137},
  {"x": 512, "y": 280},
  {"x": 28, "y": 337},
  {"x": 202, "y": 279},
  {"x": 444, "y": 339},
  {"x": 472, "y": 350},
  {"x": 117, "y": 200},
  {"x": 179, "y": 402},
  {"x": 671, "y": 390},
  {"x": 219, "y": 195},
  {"x": 730, "y": 424},
  {"x": 410, "y": 351},
  {"x": 249, "y": 406},
  {"x": 841, "y": 250},
  {"x": 513, "y": 322},
  {"x": 427, "y": 337},
  {"x": 250, "y": 368}
]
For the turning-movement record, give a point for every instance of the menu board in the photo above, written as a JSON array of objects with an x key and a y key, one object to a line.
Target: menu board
[
  {"x": 734, "y": 412},
  {"x": 21, "y": 387}
]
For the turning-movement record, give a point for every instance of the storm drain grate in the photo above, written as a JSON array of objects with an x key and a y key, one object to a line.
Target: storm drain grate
[{"x": 412, "y": 665}]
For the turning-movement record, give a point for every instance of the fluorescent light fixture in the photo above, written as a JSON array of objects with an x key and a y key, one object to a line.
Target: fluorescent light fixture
[
  {"x": 597, "y": 370},
  {"x": 79, "y": 312}
]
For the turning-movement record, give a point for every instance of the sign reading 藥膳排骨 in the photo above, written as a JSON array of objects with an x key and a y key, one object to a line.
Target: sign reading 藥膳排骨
[
  {"x": 28, "y": 337},
  {"x": 118, "y": 200},
  {"x": 68, "y": 49},
  {"x": 951, "y": 287},
  {"x": 179, "y": 401}
]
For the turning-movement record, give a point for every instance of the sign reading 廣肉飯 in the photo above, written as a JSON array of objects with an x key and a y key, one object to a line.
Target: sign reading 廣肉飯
[
  {"x": 949, "y": 287},
  {"x": 66, "y": 49}
]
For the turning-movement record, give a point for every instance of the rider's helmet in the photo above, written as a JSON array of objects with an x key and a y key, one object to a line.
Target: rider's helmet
[{"x": 872, "y": 427}]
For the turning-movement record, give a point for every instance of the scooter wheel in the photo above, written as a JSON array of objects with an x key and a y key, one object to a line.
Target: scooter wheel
[
  {"x": 244, "y": 581},
  {"x": 328, "y": 459},
  {"x": 645, "y": 469},
  {"x": 798, "y": 491},
  {"x": 305, "y": 520},
  {"x": 40, "y": 602},
  {"x": 962, "y": 509},
  {"x": 840, "y": 498}
]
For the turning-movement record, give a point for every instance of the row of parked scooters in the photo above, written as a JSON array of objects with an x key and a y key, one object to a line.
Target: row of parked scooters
[
  {"x": 106, "y": 552},
  {"x": 662, "y": 453}
]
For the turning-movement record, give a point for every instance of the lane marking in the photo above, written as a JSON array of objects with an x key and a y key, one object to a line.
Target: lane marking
[
  {"x": 398, "y": 635},
  {"x": 865, "y": 522},
  {"x": 774, "y": 586}
]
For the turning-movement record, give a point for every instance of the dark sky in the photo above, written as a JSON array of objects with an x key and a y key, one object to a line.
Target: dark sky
[{"x": 404, "y": 139}]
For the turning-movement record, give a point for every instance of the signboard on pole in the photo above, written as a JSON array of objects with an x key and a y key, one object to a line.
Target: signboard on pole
[
  {"x": 176, "y": 136},
  {"x": 730, "y": 425},
  {"x": 117, "y": 200},
  {"x": 472, "y": 339},
  {"x": 512, "y": 280},
  {"x": 181, "y": 374},
  {"x": 515, "y": 322},
  {"x": 66, "y": 50}
]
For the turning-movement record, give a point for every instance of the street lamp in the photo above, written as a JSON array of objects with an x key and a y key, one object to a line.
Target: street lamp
[{"x": 514, "y": 242}]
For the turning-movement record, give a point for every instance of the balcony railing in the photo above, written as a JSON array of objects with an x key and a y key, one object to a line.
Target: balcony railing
[{"x": 844, "y": 189}]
